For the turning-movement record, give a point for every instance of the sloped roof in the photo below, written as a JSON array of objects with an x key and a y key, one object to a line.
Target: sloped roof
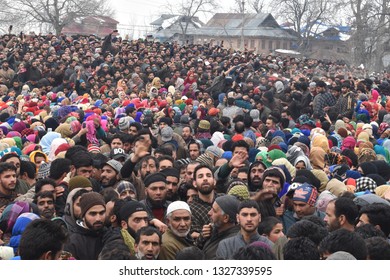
[
  {"x": 161, "y": 19},
  {"x": 252, "y": 25}
]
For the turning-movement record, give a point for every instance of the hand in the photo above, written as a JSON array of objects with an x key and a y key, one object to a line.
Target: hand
[
  {"x": 1, "y": 211},
  {"x": 279, "y": 210},
  {"x": 206, "y": 230},
  {"x": 82, "y": 132},
  {"x": 326, "y": 108},
  {"x": 346, "y": 120},
  {"x": 159, "y": 225},
  {"x": 59, "y": 191},
  {"x": 264, "y": 194},
  {"x": 238, "y": 160}
]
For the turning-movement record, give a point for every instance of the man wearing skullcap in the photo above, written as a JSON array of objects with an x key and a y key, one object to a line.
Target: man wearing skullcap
[
  {"x": 177, "y": 237},
  {"x": 223, "y": 224}
]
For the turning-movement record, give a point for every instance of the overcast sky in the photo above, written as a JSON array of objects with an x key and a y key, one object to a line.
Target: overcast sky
[{"x": 137, "y": 14}]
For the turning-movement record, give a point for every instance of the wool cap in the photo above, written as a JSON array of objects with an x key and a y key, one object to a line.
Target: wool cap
[
  {"x": 229, "y": 205},
  {"x": 79, "y": 182},
  {"x": 306, "y": 193},
  {"x": 166, "y": 134},
  {"x": 203, "y": 124},
  {"x": 170, "y": 171},
  {"x": 89, "y": 200},
  {"x": 240, "y": 191},
  {"x": 153, "y": 178},
  {"x": 126, "y": 186},
  {"x": 116, "y": 165},
  {"x": 43, "y": 171},
  {"x": 129, "y": 208},
  {"x": 178, "y": 205}
]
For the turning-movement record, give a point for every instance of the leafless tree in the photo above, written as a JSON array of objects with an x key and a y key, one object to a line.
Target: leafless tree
[
  {"x": 189, "y": 11},
  {"x": 57, "y": 13},
  {"x": 256, "y": 6}
]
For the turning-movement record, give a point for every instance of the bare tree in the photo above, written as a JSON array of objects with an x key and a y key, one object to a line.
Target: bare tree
[
  {"x": 189, "y": 11},
  {"x": 369, "y": 20},
  {"x": 256, "y": 6},
  {"x": 305, "y": 16},
  {"x": 58, "y": 13}
]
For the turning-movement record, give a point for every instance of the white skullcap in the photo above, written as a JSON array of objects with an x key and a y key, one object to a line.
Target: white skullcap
[{"x": 178, "y": 205}]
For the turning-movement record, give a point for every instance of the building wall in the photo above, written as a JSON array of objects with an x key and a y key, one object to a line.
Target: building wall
[{"x": 259, "y": 44}]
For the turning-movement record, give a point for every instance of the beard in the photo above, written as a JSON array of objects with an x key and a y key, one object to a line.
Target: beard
[
  {"x": 180, "y": 234},
  {"x": 141, "y": 256},
  {"x": 205, "y": 189},
  {"x": 96, "y": 226},
  {"x": 48, "y": 213},
  {"x": 109, "y": 183}
]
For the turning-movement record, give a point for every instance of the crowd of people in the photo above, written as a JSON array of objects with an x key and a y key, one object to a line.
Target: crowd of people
[{"x": 134, "y": 149}]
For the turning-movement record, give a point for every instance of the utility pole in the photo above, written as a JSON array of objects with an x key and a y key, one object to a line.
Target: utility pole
[{"x": 242, "y": 25}]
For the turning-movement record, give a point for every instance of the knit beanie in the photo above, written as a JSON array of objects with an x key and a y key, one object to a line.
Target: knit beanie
[
  {"x": 88, "y": 200},
  {"x": 43, "y": 171},
  {"x": 129, "y": 208},
  {"x": 239, "y": 191},
  {"x": 153, "y": 178},
  {"x": 79, "y": 182},
  {"x": 126, "y": 186},
  {"x": 275, "y": 171},
  {"x": 306, "y": 193},
  {"x": 229, "y": 205}
]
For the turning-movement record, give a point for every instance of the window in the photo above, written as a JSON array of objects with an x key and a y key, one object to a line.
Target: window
[
  {"x": 270, "y": 43},
  {"x": 238, "y": 43},
  {"x": 263, "y": 44},
  {"x": 285, "y": 45},
  {"x": 252, "y": 44},
  {"x": 278, "y": 44}
]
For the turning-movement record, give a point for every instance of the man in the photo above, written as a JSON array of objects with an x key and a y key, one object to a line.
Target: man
[
  {"x": 376, "y": 214},
  {"x": 324, "y": 100},
  {"x": 204, "y": 182},
  {"x": 21, "y": 186},
  {"x": 187, "y": 134},
  {"x": 118, "y": 154},
  {"x": 255, "y": 175},
  {"x": 42, "y": 240},
  {"x": 193, "y": 149},
  {"x": 248, "y": 218},
  {"x": 148, "y": 243},
  {"x": 87, "y": 240},
  {"x": 177, "y": 236},
  {"x": 156, "y": 196},
  {"x": 173, "y": 177},
  {"x": 304, "y": 200},
  {"x": 341, "y": 213},
  {"x": 110, "y": 173},
  {"x": 116, "y": 142},
  {"x": 240, "y": 151},
  {"x": 223, "y": 224},
  {"x": 45, "y": 202},
  {"x": 82, "y": 165},
  {"x": 7, "y": 184},
  {"x": 133, "y": 216}
]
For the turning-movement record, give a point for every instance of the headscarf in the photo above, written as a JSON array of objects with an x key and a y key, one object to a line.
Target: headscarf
[
  {"x": 293, "y": 153},
  {"x": 91, "y": 132},
  {"x": 321, "y": 141},
  {"x": 65, "y": 130},
  {"x": 348, "y": 143},
  {"x": 305, "y": 160},
  {"x": 217, "y": 137},
  {"x": 20, "y": 225},
  {"x": 54, "y": 146},
  {"x": 46, "y": 141},
  {"x": 317, "y": 158}
]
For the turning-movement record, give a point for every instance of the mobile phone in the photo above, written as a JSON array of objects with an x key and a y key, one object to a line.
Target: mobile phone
[{"x": 84, "y": 125}]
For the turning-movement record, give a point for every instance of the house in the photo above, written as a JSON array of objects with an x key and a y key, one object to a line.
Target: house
[
  {"x": 323, "y": 41},
  {"x": 98, "y": 25},
  {"x": 260, "y": 31},
  {"x": 175, "y": 27}
]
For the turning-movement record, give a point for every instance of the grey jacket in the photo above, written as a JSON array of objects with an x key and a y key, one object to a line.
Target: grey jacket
[{"x": 228, "y": 247}]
